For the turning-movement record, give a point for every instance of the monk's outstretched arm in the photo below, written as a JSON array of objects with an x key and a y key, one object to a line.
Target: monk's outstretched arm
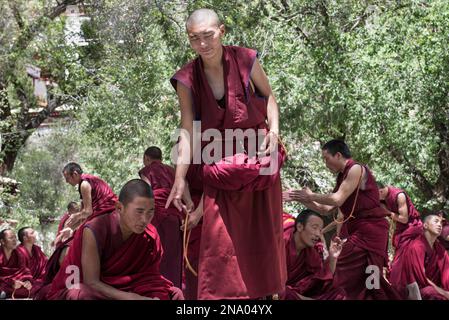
[
  {"x": 185, "y": 146},
  {"x": 90, "y": 262},
  {"x": 320, "y": 208},
  {"x": 335, "y": 199}
]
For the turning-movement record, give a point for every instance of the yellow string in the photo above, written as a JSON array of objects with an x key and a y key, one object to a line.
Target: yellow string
[{"x": 185, "y": 244}]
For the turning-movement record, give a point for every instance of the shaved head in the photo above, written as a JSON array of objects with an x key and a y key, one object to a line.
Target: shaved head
[{"x": 203, "y": 16}]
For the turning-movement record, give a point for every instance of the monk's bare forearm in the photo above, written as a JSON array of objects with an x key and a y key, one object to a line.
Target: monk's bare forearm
[
  {"x": 317, "y": 207},
  {"x": 330, "y": 199},
  {"x": 332, "y": 264},
  {"x": 399, "y": 218},
  {"x": 185, "y": 154},
  {"x": 273, "y": 114}
]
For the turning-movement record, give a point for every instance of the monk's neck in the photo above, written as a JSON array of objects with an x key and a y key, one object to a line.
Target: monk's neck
[
  {"x": 126, "y": 233},
  {"x": 29, "y": 247},
  {"x": 344, "y": 164},
  {"x": 7, "y": 252},
  {"x": 299, "y": 245},
  {"x": 430, "y": 238}
]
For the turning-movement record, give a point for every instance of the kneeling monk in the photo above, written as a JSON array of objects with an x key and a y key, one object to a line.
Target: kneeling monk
[{"x": 116, "y": 255}]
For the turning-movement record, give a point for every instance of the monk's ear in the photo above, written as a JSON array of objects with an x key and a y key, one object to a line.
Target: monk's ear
[
  {"x": 299, "y": 227},
  {"x": 222, "y": 29},
  {"x": 119, "y": 206}
]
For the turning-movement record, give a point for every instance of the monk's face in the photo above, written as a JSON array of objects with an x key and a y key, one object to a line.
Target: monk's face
[
  {"x": 30, "y": 235},
  {"x": 310, "y": 234},
  {"x": 205, "y": 38},
  {"x": 434, "y": 225},
  {"x": 137, "y": 214},
  {"x": 10, "y": 240},
  {"x": 72, "y": 179},
  {"x": 74, "y": 209},
  {"x": 333, "y": 162},
  {"x": 383, "y": 193}
]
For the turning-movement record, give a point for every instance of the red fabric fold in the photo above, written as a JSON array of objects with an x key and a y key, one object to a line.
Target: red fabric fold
[{"x": 12, "y": 270}]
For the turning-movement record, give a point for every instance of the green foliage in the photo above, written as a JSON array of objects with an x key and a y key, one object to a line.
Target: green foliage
[{"x": 374, "y": 74}]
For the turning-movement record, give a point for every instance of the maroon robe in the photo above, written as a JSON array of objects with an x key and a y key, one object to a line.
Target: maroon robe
[
  {"x": 367, "y": 240},
  {"x": 102, "y": 195},
  {"x": 12, "y": 270},
  {"x": 419, "y": 262},
  {"x": 51, "y": 269},
  {"x": 167, "y": 221},
  {"x": 308, "y": 274},
  {"x": 131, "y": 265},
  {"x": 391, "y": 202},
  {"x": 241, "y": 251},
  {"x": 35, "y": 262}
]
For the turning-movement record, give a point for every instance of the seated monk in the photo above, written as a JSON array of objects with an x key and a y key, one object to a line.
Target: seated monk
[
  {"x": 423, "y": 262},
  {"x": 117, "y": 254},
  {"x": 15, "y": 278},
  {"x": 32, "y": 255},
  {"x": 309, "y": 276}
]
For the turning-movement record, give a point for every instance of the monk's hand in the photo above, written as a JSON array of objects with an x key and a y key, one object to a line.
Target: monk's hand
[
  {"x": 63, "y": 235},
  {"x": 75, "y": 220},
  {"x": 336, "y": 247},
  {"x": 18, "y": 284},
  {"x": 269, "y": 144},
  {"x": 194, "y": 218},
  {"x": 176, "y": 194},
  {"x": 27, "y": 284},
  {"x": 176, "y": 294},
  {"x": 303, "y": 195},
  {"x": 286, "y": 196}
]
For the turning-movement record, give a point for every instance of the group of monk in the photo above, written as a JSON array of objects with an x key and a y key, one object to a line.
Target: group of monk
[{"x": 217, "y": 229}]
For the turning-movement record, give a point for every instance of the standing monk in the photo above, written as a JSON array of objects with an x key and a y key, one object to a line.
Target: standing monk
[
  {"x": 167, "y": 221},
  {"x": 241, "y": 251},
  {"x": 401, "y": 209},
  {"x": 424, "y": 261},
  {"x": 364, "y": 226}
]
